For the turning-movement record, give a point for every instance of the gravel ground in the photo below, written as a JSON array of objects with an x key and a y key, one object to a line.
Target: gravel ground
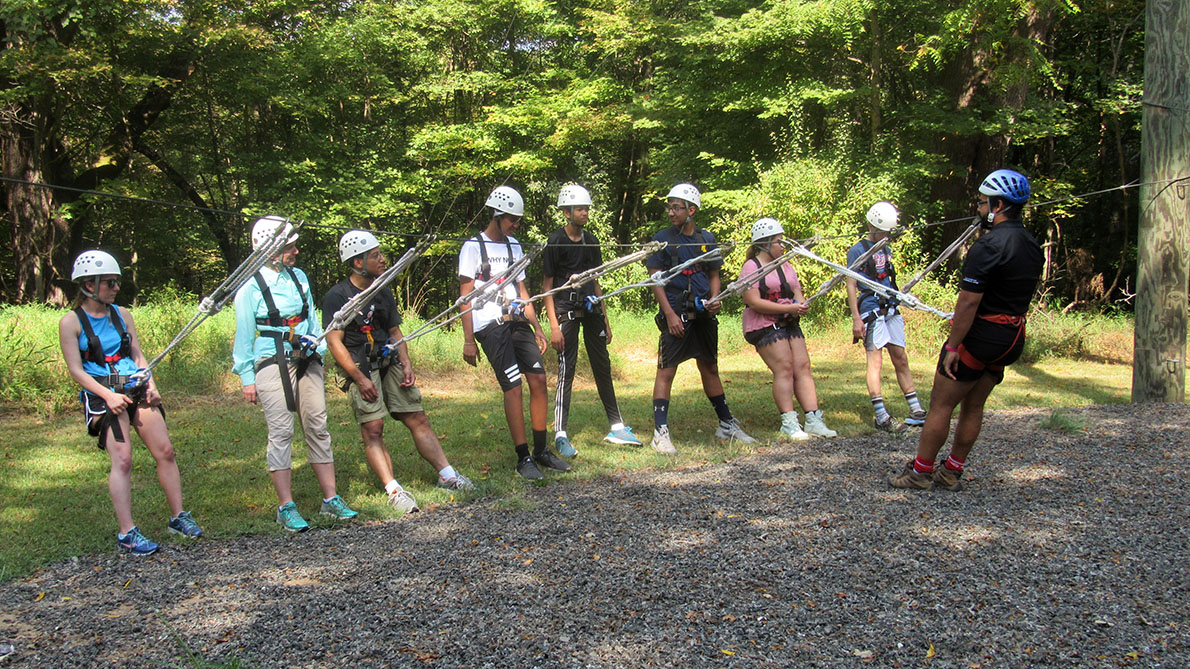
[{"x": 1066, "y": 549}]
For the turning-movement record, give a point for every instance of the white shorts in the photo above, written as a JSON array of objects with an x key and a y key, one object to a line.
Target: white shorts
[{"x": 883, "y": 330}]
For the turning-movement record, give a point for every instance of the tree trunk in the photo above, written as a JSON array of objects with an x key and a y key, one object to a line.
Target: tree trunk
[{"x": 1159, "y": 365}]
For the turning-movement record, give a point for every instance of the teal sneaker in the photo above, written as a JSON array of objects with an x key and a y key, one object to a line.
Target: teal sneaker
[
  {"x": 135, "y": 543},
  {"x": 290, "y": 519},
  {"x": 564, "y": 447},
  {"x": 623, "y": 437},
  {"x": 335, "y": 507},
  {"x": 184, "y": 525}
]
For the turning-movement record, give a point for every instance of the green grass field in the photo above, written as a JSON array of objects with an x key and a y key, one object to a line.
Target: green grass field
[{"x": 53, "y": 479}]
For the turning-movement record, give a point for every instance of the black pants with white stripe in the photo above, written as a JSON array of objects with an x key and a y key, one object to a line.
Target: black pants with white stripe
[{"x": 595, "y": 339}]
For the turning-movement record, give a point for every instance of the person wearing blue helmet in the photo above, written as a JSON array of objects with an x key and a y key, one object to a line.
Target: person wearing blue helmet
[{"x": 987, "y": 333}]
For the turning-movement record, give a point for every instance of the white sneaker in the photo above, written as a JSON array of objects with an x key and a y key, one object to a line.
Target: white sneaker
[
  {"x": 815, "y": 425},
  {"x": 456, "y": 482},
  {"x": 402, "y": 501},
  {"x": 731, "y": 431},
  {"x": 791, "y": 429},
  {"x": 661, "y": 442}
]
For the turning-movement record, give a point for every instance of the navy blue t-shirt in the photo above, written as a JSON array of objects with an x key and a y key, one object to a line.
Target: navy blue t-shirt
[{"x": 684, "y": 247}]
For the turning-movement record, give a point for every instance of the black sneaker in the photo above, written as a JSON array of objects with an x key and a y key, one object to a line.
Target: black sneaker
[
  {"x": 528, "y": 469},
  {"x": 547, "y": 459}
]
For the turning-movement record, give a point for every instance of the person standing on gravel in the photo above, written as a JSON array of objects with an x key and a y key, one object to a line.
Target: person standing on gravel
[
  {"x": 512, "y": 340},
  {"x": 378, "y": 378},
  {"x": 686, "y": 331},
  {"x": 280, "y": 365},
  {"x": 878, "y": 323},
  {"x": 572, "y": 250},
  {"x": 771, "y": 320},
  {"x": 987, "y": 333},
  {"x": 102, "y": 353}
]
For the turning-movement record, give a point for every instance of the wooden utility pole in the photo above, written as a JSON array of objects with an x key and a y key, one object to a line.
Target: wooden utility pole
[{"x": 1159, "y": 361}]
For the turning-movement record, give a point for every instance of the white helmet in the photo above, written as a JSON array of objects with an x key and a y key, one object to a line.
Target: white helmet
[
  {"x": 883, "y": 216},
  {"x": 506, "y": 200},
  {"x": 356, "y": 242},
  {"x": 766, "y": 227},
  {"x": 266, "y": 227},
  {"x": 574, "y": 195},
  {"x": 685, "y": 192},
  {"x": 94, "y": 263}
]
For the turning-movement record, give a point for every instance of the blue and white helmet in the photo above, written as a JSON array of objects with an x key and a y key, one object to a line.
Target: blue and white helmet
[{"x": 1008, "y": 184}]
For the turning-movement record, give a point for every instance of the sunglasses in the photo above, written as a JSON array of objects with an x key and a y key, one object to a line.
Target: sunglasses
[{"x": 110, "y": 283}]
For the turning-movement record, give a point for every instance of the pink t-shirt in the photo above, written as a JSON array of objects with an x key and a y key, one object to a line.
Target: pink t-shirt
[{"x": 770, "y": 289}]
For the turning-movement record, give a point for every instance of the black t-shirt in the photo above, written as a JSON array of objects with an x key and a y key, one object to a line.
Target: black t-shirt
[
  {"x": 564, "y": 257},
  {"x": 381, "y": 314},
  {"x": 1005, "y": 265}
]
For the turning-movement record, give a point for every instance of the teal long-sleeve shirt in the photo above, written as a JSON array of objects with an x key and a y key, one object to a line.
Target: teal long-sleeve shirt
[{"x": 250, "y": 305}]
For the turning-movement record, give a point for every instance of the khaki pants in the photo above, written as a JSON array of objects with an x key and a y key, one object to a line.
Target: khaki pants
[{"x": 311, "y": 402}]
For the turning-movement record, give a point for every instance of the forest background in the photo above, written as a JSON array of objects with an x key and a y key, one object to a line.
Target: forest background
[{"x": 401, "y": 117}]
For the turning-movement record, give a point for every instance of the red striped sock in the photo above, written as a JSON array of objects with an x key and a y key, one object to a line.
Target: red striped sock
[
  {"x": 954, "y": 465},
  {"x": 922, "y": 467}
]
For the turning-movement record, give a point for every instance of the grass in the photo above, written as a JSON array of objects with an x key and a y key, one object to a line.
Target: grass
[
  {"x": 1062, "y": 421},
  {"x": 53, "y": 479}
]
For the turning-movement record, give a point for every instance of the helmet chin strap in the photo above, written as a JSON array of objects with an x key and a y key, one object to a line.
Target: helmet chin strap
[{"x": 93, "y": 296}]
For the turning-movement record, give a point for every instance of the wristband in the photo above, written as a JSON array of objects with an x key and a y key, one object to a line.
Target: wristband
[{"x": 950, "y": 348}]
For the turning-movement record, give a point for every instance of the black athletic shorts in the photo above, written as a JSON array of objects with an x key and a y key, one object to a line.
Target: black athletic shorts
[
  {"x": 512, "y": 351},
  {"x": 774, "y": 333},
  {"x": 987, "y": 349},
  {"x": 700, "y": 341}
]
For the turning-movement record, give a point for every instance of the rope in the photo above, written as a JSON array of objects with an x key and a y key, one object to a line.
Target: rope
[
  {"x": 224, "y": 292},
  {"x": 906, "y": 299}
]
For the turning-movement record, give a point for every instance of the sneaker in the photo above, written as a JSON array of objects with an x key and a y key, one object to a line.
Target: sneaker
[
  {"x": 335, "y": 507},
  {"x": 661, "y": 442},
  {"x": 731, "y": 431},
  {"x": 890, "y": 425},
  {"x": 135, "y": 543},
  {"x": 623, "y": 436},
  {"x": 402, "y": 501},
  {"x": 950, "y": 480},
  {"x": 185, "y": 526},
  {"x": 791, "y": 429},
  {"x": 816, "y": 426},
  {"x": 290, "y": 519},
  {"x": 916, "y": 418},
  {"x": 528, "y": 469},
  {"x": 547, "y": 459},
  {"x": 565, "y": 448},
  {"x": 456, "y": 482},
  {"x": 909, "y": 478}
]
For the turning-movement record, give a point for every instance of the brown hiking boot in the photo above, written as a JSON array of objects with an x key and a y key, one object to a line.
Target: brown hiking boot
[
  {"x": 910, "y": 479},
  {"x": 945, "y": 478}
]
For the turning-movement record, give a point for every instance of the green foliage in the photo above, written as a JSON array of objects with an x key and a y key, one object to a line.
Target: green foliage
[{"x": 1062, "y": 421}]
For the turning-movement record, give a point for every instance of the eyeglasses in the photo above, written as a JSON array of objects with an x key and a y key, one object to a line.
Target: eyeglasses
[
  {"x": 981, "y": 201},
  {"x": 110, "y": 283},
  {"x": 676, "y": 207}
]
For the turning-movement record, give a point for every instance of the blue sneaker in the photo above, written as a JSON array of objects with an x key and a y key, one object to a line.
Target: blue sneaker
[
  {"x": 134, "y": 542},
  {"x": 564, "y": 447},
  {"x": 185, "y": 526},
  {"x": 290, "y": 519},
  {"x": 624, "y": 437},
  {"x": 335, "y": 507}
]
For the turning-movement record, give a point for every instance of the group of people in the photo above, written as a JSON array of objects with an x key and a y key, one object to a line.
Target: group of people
[{"x": 280, "y": 345}]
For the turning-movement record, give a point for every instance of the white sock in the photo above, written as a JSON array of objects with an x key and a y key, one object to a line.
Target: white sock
[
  {"x": 447, "y": 473},
  {"x": 559, "y": 433},
  {"x": 392, "y": 486},
  {"x": 617, "y": 426}
]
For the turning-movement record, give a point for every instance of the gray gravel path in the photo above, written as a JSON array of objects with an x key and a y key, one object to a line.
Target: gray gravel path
[{"x": 1066, "y": 550}]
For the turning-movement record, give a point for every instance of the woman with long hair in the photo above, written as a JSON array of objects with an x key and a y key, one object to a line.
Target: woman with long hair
[
  {"x": 775, "y": 305},
  {"x": 103, "y": 354}
]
